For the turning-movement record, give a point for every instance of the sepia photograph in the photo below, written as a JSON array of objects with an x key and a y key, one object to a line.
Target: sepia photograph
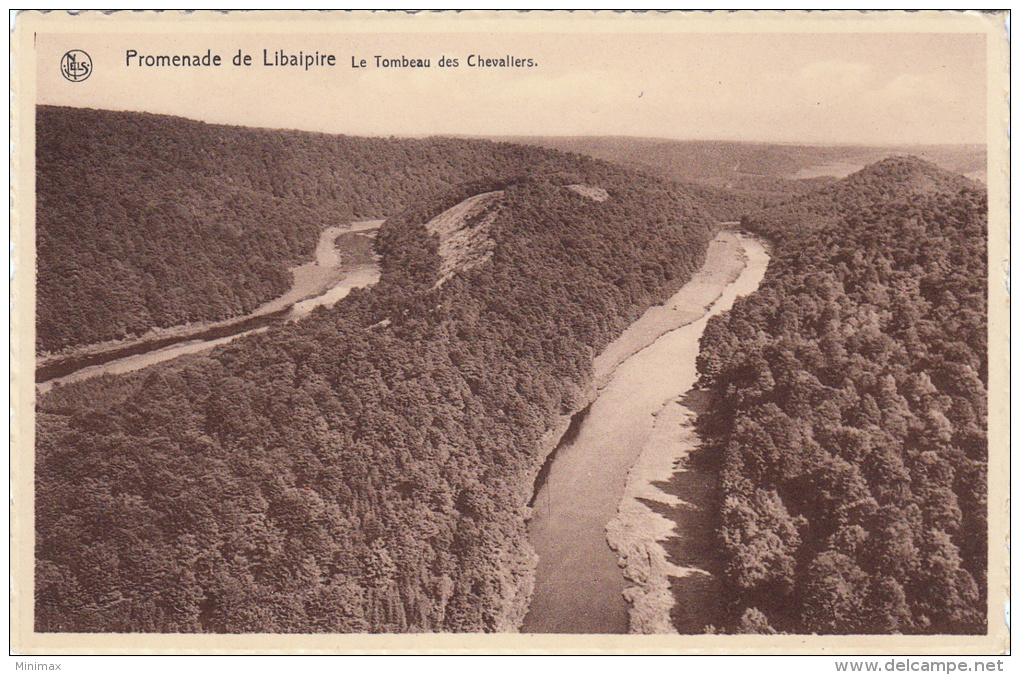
[{"x": 533, "y": 332}]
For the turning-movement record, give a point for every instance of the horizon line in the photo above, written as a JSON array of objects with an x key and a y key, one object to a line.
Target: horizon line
[{"x": 575, "y": 136}]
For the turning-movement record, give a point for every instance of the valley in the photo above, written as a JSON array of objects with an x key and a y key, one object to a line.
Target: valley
[
  {"x": 564, "y": 387},
  {"x": 322, "y": 282}
]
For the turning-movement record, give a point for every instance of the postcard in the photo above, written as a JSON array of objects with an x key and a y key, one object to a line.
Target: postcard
[{"x": 510, "y": 332}]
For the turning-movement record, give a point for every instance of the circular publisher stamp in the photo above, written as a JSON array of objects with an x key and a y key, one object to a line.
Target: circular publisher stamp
[{"x": 76, "y": 65}]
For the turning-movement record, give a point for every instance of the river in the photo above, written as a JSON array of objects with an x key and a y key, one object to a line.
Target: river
[
  {"x": 321, "y": 282},
  {"x": 579, "y": 587}
]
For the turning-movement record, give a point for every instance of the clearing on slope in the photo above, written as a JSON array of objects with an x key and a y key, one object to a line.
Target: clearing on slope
[{"x": 596, "y": 193}]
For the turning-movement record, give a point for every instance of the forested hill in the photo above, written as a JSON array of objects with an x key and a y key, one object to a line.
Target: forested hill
[
  {"x": 892, "y": 179},
  {"x": 850, "y": 412},
  {"x": 153, "y": 221},
  {"x": 367, "y": 468}
]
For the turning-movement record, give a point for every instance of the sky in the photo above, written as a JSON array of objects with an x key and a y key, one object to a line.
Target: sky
[{"x": 859, "y": 88}]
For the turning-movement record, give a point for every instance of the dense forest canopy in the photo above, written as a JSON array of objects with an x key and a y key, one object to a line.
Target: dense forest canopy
[
  {"x": 367, "y": 468},
  {"x": 850, "y": 409},
  {"x": 149, "y": 221}
]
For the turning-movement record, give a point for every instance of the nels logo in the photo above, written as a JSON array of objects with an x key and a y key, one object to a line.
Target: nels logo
[{"x": 76, "y": 65}]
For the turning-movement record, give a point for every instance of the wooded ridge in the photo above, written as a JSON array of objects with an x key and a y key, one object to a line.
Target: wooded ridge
[{"x": 149, "y": 221}]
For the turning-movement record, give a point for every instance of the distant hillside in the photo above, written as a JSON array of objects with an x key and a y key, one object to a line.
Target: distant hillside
[
  {"x": 894, "y": 178},
  {"x": 765, "y": 169},
  {"x": 153, "y": 221}
]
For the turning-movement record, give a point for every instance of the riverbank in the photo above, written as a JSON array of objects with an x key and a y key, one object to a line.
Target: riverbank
[
  {"x": 724, "y": 260},
  {"x": 578, "y": 585},
  {"x": 664, "y": 518},
  {"x": 322, "y": 281},
  {"x": 662, "y": 531}
]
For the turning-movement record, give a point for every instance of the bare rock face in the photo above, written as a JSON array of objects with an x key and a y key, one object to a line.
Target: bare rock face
[{"x": 463, "y": 230}]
